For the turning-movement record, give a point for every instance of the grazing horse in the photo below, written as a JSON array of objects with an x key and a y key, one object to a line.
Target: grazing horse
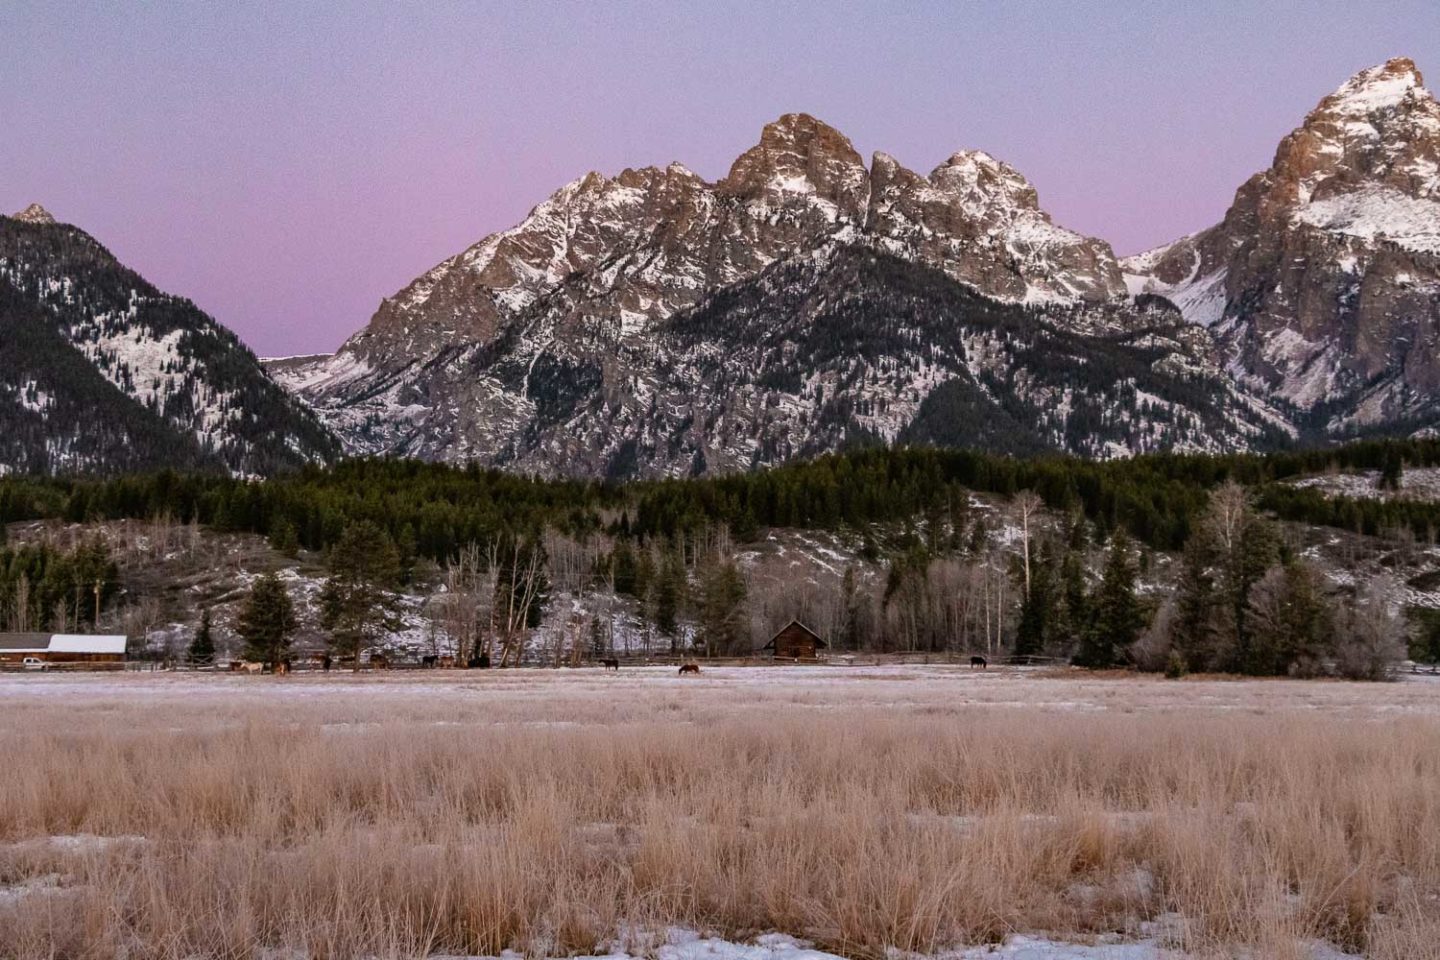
[
  {"x": 610, "y": 665},
  {"x": 980, "y": 662},
  {"x": 689, "y": 668}
]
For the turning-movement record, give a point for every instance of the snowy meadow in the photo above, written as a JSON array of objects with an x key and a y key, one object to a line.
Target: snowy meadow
[{"x": 864, "y": 809}]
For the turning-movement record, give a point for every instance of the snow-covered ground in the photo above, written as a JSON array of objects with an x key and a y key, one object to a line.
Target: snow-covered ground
[
  {"x": 680, "y": 944},
  {"x": 1417, "y": 483},
  {"x": 546, "y": 696},
  {"x": 421, "y": 706}
]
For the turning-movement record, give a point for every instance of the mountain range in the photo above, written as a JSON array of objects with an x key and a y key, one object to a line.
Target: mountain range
[{"x": 654, "y": 323}]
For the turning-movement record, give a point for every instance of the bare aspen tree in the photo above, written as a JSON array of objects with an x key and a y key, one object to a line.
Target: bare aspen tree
[
  {"x": 1229, "y": 510},
  {"x": 526, "y": 576},
  {"x": 1026, "y": 507},
  {"x": 457, "y": 606},
  {"x": 20, "y": 616}
]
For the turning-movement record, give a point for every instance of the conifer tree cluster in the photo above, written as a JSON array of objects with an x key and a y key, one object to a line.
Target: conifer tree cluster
[{"x": 1056, "y": 573}]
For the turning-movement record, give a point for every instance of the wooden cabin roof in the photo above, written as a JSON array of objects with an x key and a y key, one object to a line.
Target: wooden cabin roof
[{"x": 819, "y": 641}]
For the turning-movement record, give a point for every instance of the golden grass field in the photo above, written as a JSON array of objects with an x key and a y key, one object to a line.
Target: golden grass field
[{"x": 919, "y": 808}]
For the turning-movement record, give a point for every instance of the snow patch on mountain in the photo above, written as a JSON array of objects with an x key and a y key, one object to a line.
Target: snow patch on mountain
[
  {"x": 1201, "y": 299},
  {"x": 1378, "y": 213},
  {"x": 1381, "y": 87}
]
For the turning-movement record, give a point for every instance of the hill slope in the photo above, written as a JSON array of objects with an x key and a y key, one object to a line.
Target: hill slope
[{"x": 101, "y": 372}]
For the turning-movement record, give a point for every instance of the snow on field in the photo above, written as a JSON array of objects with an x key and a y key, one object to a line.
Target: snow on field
[
  {"x": 682, "y": 944},
  {"x": 572, "y": 702},
  {"x": 640, "y": 695}
]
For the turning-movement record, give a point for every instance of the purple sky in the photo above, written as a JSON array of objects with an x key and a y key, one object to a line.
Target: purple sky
[{"x": 287, "y": 165}]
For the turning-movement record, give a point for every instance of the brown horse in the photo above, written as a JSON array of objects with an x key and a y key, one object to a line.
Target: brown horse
[
  {"x": 980, "y": 662},
  {"x": 610, "y": 665},
  {"x": 689, "y": 668}
]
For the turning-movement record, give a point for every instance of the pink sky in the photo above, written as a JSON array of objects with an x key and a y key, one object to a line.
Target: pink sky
[{"x": 287, "y": 165}]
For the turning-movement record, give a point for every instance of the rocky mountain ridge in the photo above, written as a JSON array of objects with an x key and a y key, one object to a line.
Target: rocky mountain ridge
[
  {"x": 580, "y": 300},
  {"x": 1322, "y": 282},
  {"x": 652, "y": 241},
  {"x": 656, "y": 323}
]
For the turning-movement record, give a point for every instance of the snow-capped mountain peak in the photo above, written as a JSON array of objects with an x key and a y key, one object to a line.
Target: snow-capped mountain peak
[
  {"x": 554, "y": 344},
  {"x": 1323, "y": 279},
  {"x": 1381, "y": 87},
  {"x": 652, "y": 321}
]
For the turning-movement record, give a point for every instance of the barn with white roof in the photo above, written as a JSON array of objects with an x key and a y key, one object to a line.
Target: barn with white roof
[{"x": 62, "y": 647}]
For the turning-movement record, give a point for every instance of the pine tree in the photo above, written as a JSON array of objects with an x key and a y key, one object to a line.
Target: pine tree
[
  {"x": 1118, "y": 614},
  {"x": 1075, "y": 613},
  {"x": 267, "y": 621},
  {"x": 979, "y": 538},
  {"x": 1392, "y": 470},
  {"x": 622, "y": 566},
  {"x": 722, "y": 609},
  {"x": 1291, "y": 622},
  {"x": 1230, "y": 550},
  {"x": 597, "y": 638},
  {"x": 202, "y": 647},
  {"x": 1038, "y": 606},
  {"x": 357, "y": 604},
  {"x": 407, "y": 552},
  {"x": 1426, "y": 646},
  {"x": 669, "y": 594},
  {"x": 283, "y": 537}
]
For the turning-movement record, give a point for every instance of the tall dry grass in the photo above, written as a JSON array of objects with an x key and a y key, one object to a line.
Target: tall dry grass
[{"x": 346, "y": 827}]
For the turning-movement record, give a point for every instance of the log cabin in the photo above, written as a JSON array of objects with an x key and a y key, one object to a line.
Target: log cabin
[{"x": 794, "y": 641}]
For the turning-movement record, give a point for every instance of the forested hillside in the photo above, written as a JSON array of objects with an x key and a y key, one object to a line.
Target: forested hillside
[
  {"x": 441, "y": 508},
  {"x": 1248, "y": 563},
  {"x": 103, "y": 373}
]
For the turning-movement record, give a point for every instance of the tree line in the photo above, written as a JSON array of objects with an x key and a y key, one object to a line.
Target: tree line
[
  {"x": 495, "y": 549},
  {"x": 434, "y": 510}
]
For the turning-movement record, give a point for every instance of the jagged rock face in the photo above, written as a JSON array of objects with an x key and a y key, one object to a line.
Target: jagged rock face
[
  {"x": 846, "y": 345},
  {"x": 652, "y": 241},
  {"x": 1323, "y": 280},
  {"x": 979, "y": 220},
  {"x": 579, "y": 289}
]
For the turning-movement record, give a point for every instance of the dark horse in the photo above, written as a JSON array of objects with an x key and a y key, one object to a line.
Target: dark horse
[
  {"x": 430, "y": 660},
  {"x": 689, "y": 668},
  {"x": 980, "y": 662},
  {"x": 610, "y": 665}
]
